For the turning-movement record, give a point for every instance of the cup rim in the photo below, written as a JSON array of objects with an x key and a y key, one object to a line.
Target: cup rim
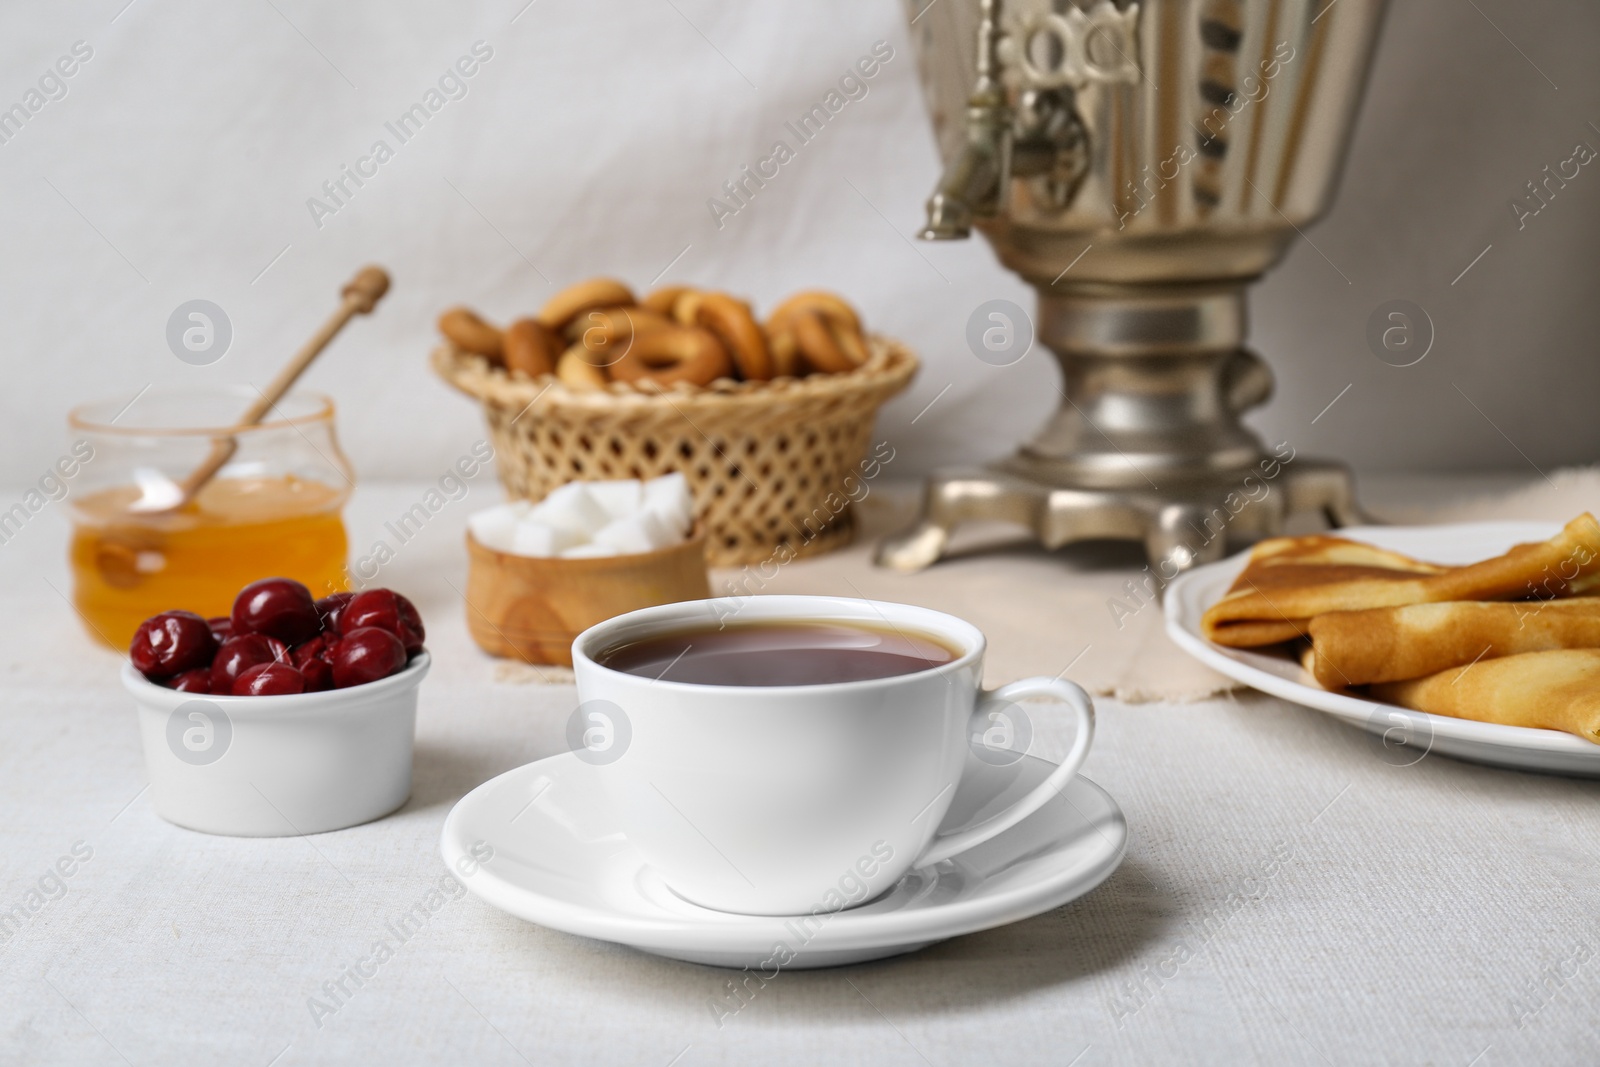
[
  {"x": 149, "y": 693},
  {"x": 937, "y": 623},
  {"x": 323, "y": 411}
]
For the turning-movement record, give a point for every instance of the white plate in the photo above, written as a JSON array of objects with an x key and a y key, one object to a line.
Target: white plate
[
  {"x": 1517, "y": 747},
  {"x": 559, "y": 861}
]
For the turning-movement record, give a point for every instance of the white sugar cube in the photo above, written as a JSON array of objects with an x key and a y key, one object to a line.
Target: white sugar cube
[
  {"x": 625, "y": 535},
  {"x": 494, "y": 527},
  {"x": 536, "y": 539},
  {"x": 619, "y": 498},
  {"x": 668, "y": 498},
  {"x": 571, "y": 507},
  {"x": 672, "y": 518},
  {"x": 644, "y": 532},
  {"x": 588, "y": 551}
]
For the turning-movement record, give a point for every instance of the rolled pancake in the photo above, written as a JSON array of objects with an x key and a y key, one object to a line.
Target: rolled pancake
[
  {"x": 1290, "y": 580},
  {"x": 1284, "y": 563},
  {"x": 1550, "y": 690},
  {"x": 1392, "y": 644}
]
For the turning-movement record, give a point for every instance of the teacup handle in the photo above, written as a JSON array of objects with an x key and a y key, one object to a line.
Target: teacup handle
[{"x": 1076, "y": 699}]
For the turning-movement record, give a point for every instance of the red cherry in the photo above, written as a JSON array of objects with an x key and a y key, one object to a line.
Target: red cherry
[
  {"x": 170, "y": 643},
  {"x": 412, "y": 618},
  {"x": 221, "y": 627},
  {"x": 196, "y": 680},
  {"x": 238, "y": 654},
  {"x": 330, "y": 607},
  {"x": 318, "y": 675},
  {"x": 268, "y": 680},
  {"x": 365, "y": 655},
  {"x": 311, "y": 660},
  {"x": 277, "y": 607},
  {"x": 316, "y": 648},
  {"x": 387, "y": 610}
]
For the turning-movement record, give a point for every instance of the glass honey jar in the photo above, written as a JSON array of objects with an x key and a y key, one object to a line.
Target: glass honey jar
[{"x": 272, "y": 510}]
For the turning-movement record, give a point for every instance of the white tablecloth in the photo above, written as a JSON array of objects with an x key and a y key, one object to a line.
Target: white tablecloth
[{"x": 1288, "y": 897}]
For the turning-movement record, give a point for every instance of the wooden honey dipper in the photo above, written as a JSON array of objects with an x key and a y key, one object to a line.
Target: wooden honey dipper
[
  {"x": 121, "y": 544},
  {"x": 361, "y": 294}
]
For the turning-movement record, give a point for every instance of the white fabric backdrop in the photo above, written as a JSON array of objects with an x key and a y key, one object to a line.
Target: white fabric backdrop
[{"x": 179, "y": 162}]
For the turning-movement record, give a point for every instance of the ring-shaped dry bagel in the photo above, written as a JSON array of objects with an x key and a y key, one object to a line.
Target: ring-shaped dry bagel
[
  {"x": 607, "y": 334},
  {"x": 664, "y": 299},
  {"x": 464, "y": 329},
  {"x": 687, "y": 306},
  {"x": 672, "y": 355},
  {"x": 786, "y": 359},
  {"x": 600, "y": 326},
  {"x": 730, "y": 320},
  {"x": 826, "y": 304},
  {"x": 530, "y": 348},
  {"x": 825, "y": 344},
  {"x": 574, "y": 300},
  {"x": 853, "y": 342},
  {"x": 575, "y": 370}
]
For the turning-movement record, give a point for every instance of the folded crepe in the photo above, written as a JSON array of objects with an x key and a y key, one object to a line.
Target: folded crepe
[
  {"x": 1289, "y": 580},
  {"x": 1390, "y": 644},
  {"x": 1550, "y": 690}
]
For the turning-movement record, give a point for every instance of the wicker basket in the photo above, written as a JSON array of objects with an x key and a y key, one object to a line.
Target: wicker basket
[{"x": 767, "y": 462}]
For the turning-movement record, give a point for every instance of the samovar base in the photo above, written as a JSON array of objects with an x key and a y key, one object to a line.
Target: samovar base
[{"x": 1180, "y": 526}]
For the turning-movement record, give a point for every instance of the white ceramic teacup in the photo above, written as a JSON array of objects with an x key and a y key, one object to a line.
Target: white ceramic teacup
[{"x": 784, "y": 800}]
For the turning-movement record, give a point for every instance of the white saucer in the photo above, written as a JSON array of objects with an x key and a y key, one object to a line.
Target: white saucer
[
  {"x": 1517, "y": 747},
  {"x": 559, "y": 861}
]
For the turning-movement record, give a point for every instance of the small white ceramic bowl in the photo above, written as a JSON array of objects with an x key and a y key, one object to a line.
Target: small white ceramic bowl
[{"x": 279, "y": 766}]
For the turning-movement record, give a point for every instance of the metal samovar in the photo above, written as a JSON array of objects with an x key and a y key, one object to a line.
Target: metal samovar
[{"x": 1140, "y": 164}]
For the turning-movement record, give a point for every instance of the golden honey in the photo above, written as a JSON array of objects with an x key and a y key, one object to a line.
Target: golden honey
[{"x": 127, "y": 567}]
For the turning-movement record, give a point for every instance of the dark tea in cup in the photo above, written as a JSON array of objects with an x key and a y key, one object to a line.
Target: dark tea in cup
[{"x": 779, "y": 652}]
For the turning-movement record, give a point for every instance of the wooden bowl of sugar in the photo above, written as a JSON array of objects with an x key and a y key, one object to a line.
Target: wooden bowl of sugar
[
  {"x": 538, "y": 576},
  {"x": 531, "y": 607}
]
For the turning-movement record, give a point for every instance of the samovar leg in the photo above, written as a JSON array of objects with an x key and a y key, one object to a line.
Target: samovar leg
[
  {"x": 951, "y": 498},
  {"x": 1174, "y": 535},
  {"x": 1327, "y": 487},
  {"x": 911, "y": 550}
]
